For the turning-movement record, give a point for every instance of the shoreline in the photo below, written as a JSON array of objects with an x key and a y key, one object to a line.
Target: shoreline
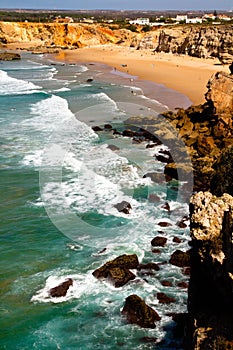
[{"x": 184, "y": 74}]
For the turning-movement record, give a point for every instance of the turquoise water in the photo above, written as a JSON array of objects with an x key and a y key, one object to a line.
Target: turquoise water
[{"x": 59, "y": 184}]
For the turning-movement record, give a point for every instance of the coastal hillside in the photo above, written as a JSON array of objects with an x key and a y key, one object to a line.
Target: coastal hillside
[{"x": 198, "y": 41}]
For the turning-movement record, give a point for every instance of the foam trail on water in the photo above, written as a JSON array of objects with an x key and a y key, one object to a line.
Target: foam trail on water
[{"x": 13, "y": 86}]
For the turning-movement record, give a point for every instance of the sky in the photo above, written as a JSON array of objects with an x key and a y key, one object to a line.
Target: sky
[{"x": 120, "y": 4}]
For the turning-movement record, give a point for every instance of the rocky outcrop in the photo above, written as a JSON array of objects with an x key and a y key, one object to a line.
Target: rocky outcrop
[
  {"x": 117, "y": 271},
  {"x": 220, "y": 95},
  {"x": 210, "y": 303},
  {"x": 149, "y": 41},
  {"x": 123, "y": 207},
  {"x": 180, "y": 258},
  {"x": 61, "y": 289},
  {"x": 138, "y": 312},
  {"x": 9, "y": 56},
  {"x": 206, "y": 130},
  {"x": 199, "y": 41}
]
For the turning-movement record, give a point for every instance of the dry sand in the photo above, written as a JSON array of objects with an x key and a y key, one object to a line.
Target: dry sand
[{"x": 185, "y": 74}]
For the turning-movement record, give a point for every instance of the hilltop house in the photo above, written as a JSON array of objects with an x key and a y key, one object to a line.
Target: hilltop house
[
  {"x": 193, "y": 20},
  {"x": 140, "y": 21}
]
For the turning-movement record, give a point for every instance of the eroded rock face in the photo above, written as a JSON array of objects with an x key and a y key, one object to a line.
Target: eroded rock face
[
  {"x": 117, "y": 271},
  {"x": 199, "y": 41},
  {"x": 210, "y": 302},
  {"x": 62, "y": 34},
  {"x": 206, "y": 130},
  {"x": 138, "y": 312},
  {"x": 220, "y": 94}
]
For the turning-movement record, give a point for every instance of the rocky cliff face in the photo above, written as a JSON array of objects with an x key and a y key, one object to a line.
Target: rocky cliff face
[
  {"x": 207, "y": 129},
  {"x": 63, "y": 35},
  {"x": 199, "y": 41},
  {"x": 211, "y": 283}
]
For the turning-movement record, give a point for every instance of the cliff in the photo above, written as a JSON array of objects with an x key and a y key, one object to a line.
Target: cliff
[
  {"x": 199, "y": 41},
  {"x": 207, "y": 131},
  {"x": 62, "y": 34},
  {"x": 210, "y": 304}
]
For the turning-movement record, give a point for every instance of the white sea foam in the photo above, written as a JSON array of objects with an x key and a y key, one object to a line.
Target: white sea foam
[
  {"x": 154, "y": 101},
  {"x": 82, "y": 68},
  {"x": 63, "y": 89},
  {"x": 12, "y": 86}
]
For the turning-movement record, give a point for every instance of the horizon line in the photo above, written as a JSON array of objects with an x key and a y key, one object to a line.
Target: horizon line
[{"x": 105, "y": 9}]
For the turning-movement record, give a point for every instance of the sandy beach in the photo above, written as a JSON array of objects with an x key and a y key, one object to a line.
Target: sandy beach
[{"x": 185, "y": 74}]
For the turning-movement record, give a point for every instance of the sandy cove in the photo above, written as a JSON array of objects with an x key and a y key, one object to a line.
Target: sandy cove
[{"x": 185, "y": 74}]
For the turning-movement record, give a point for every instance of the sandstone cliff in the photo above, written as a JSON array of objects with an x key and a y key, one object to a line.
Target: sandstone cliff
[
  {"x": 210, "y": 303},
  {"x": 63, "y": 35},
  {"x": 199, "y": 41},
  {"x": 207, "y": 129}
]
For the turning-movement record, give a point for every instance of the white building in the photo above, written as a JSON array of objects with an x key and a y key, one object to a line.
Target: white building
[
  {"x": 193, "y": 20},
  {"x": 141, "y": 21},
  {"x": 180, "y": 18}
]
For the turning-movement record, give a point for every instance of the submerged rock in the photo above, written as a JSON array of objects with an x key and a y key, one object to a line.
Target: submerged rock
[
  {"x": 113, "y": 148},
  {"x": 138, "y": 312},
  {"x": 148, "y": 266},
  {"x": 117, "y": 271},
  {"x": 61, "y": 289},
  {"x": 165, "y": 299}
]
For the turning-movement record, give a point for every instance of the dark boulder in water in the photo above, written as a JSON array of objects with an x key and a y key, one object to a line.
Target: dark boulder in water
[
  {"x": 138, "y": 312},
  {"x": 96, "y": 128},
  {"x": 166, "y": 283},
  {"x": 180, "y": 259},
  {"x": 128, "y": 133},
  {"x": 61, "y": 289},
  {"x": 165, "y": 157},
  {"x": 123, "y": 207},
  {"x": 108, "y": 126},
  {"x": 117, "y": 270},
  {"x": 164, "y": 224},
  {"x": 176, "y": 240},
  {"x": 165, "y": 299},
  {"x": 159, "y": 241},
  {"x": 148, "y": 266}
]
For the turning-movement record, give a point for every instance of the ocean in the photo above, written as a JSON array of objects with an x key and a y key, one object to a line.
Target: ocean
[{"x": 59, "y": 183}]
